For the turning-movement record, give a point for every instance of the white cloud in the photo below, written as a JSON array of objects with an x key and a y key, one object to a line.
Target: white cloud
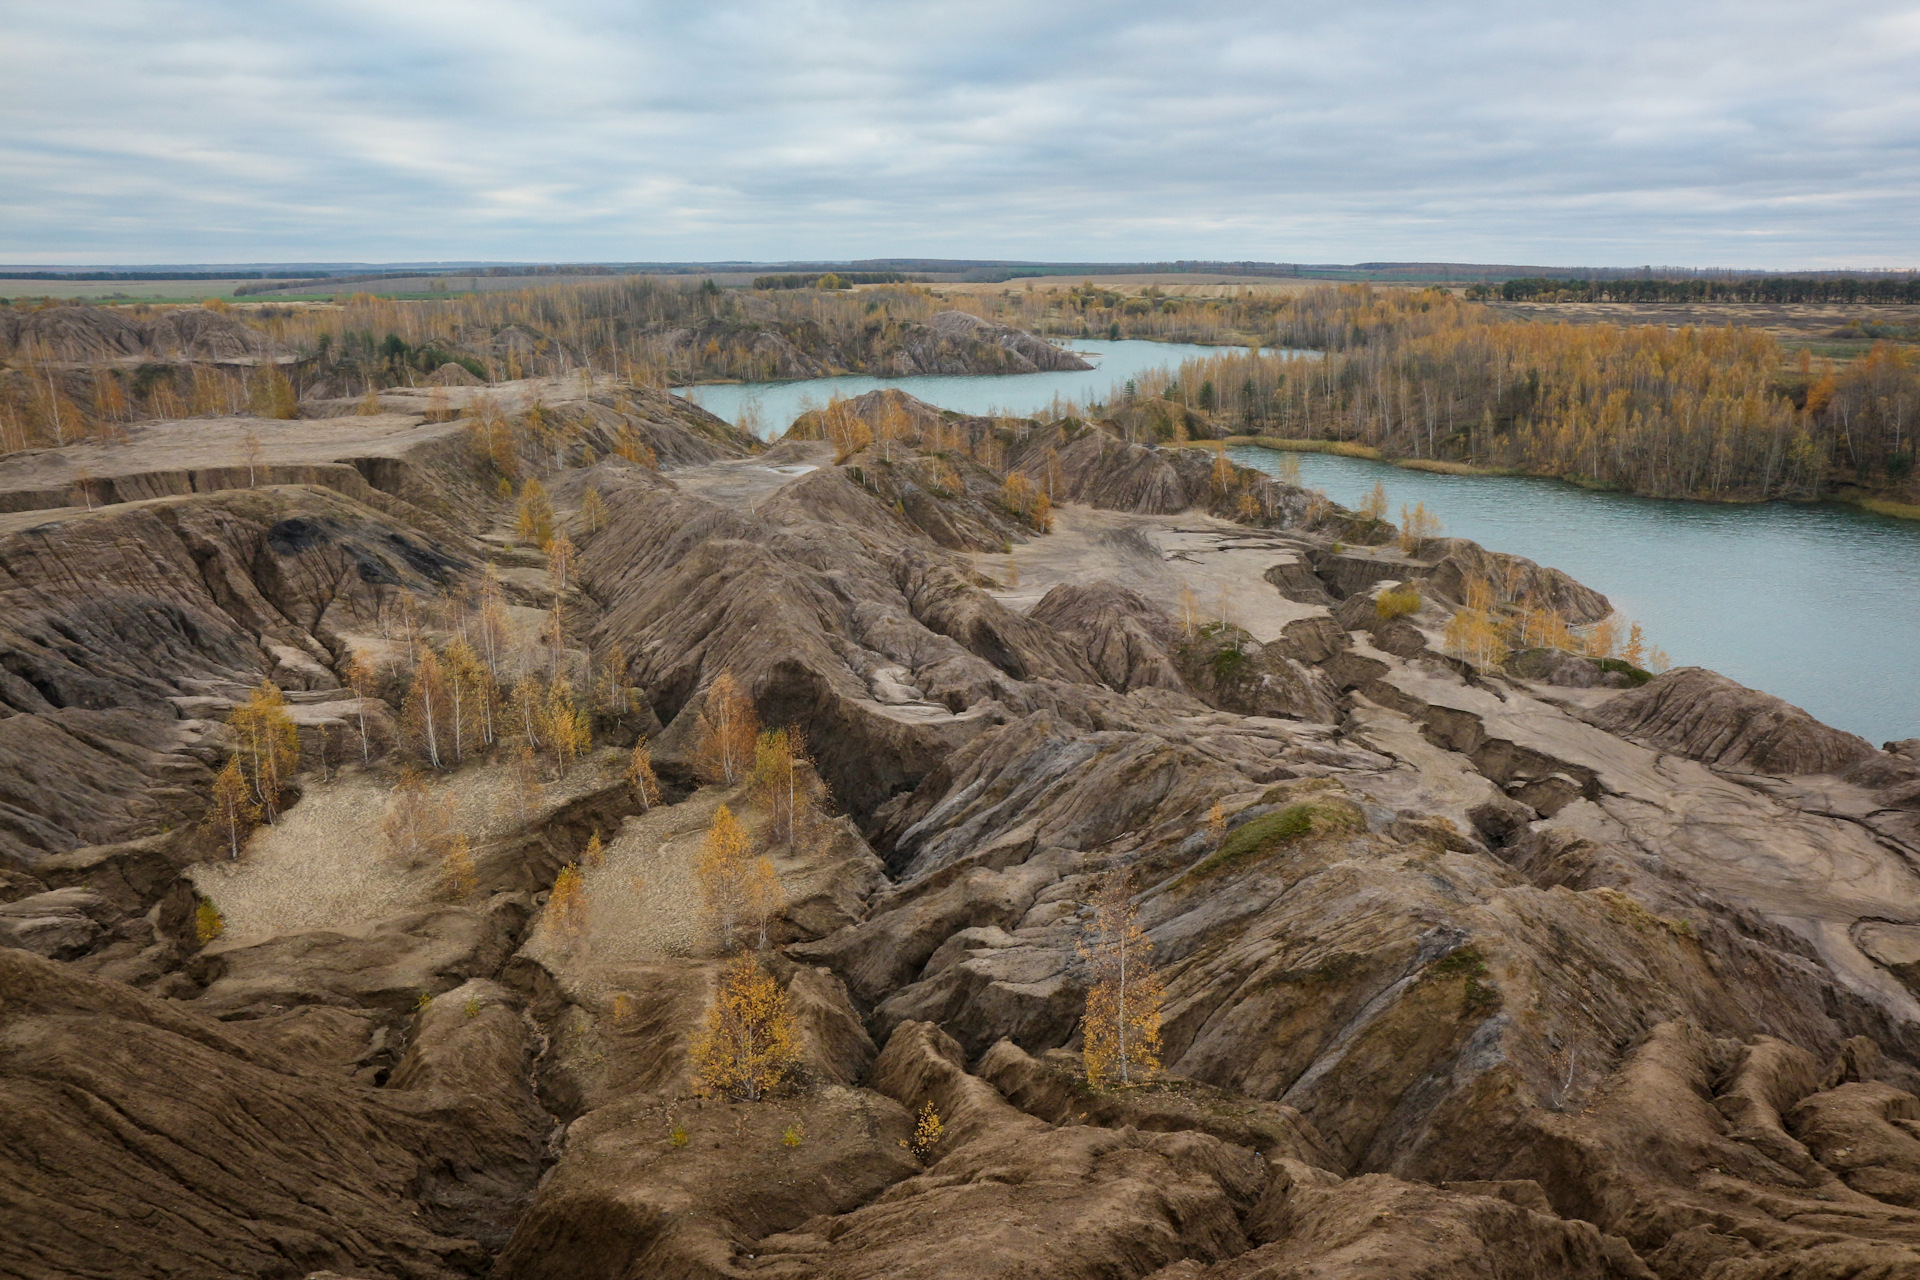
[{"x": 1702, "y": 131}]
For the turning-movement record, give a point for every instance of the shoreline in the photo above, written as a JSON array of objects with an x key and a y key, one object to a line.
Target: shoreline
[{"x": 1892, "y": 508}]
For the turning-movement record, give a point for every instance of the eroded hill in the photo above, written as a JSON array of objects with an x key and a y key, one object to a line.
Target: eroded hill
[{"x": 1468, "y": 972}]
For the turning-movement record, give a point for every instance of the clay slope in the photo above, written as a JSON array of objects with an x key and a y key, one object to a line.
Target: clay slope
[
  {"x": 87, "y": 335},
  {"x": 951, "y": 342},
  {"x": 1467, "y": 974}
]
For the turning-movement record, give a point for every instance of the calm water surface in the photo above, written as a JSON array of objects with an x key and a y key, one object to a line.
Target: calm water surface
[
  {"x": 1020, "y": 394},
  {"x": 1817, "y": 604}
]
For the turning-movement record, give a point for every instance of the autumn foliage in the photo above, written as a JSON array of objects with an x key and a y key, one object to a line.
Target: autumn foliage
[
  {"x": 641, "y": 777},
  {"x": 1121, "y": 1026},
  {"x": 751, "y": 1042},
  {"x": 567, "y": 903},
  {"x": 726, "y": 729},
  {"x": 232, "y": 813},
  {"x": 267, "y": 746},
  {"x": 785, "y": 786},
  {"x": 1493, "y": 622},
  {"x": 726, "y": 875}
]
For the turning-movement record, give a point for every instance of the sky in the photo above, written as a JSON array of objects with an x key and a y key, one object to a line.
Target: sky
[{"x": 1736, "y": 133}]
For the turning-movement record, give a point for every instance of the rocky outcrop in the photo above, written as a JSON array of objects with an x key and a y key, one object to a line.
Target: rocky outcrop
[
  {"x": 1707, "y": 717},
  {"x": 1027, "y": 353}
]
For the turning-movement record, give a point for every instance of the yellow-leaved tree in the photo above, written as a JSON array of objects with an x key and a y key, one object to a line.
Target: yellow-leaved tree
[
  {"x": 641, "y": 777},
  {"x": 267, "y": 744},
  {"x": 593, "y": 510},
  {"x": 765, "y": 897},
  {"x": 1220, "y": 477},
  {"x": 568, "y": 728},
  {"x": 534, "y": 516},
  {"x": 428, "y": 711},
  {"x": 365, "y": 683},
  {"x": 457, "y": 874},
  {"x": 471, "y": 693},
  {"x": 752, "y": 1040},
  {"x": 1374, "y": 505},
  {"x": 232, "y": 812},
  {"x": 1417, "y": 524},
  {"x": 567, "y": 904},
  {"x": 1121, "y": 1027},
  {"x": 725, "y": 872},
  {"x": 785, "y": 785},
  {"x": 727, "y": 727}
]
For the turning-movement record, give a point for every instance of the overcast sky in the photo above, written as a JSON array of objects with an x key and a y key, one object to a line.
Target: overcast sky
[{"x": 1683, "y": 132}]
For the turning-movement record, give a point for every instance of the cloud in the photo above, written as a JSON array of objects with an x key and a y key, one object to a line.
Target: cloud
[{"x": 1710, "y": 133}]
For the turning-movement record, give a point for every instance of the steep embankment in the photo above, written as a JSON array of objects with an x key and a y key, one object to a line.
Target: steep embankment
[{"x": 1466, "y": 974}]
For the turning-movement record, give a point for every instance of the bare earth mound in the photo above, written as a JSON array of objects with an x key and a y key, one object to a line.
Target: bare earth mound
[{"x": 1466, "y": 970}]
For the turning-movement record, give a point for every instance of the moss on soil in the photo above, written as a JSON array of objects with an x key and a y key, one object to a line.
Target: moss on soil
[{"x": 1264, "y": 835}]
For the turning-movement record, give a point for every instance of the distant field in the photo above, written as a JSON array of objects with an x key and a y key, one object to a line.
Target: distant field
[
  {"x": 424, "y": 286},
  {"x": 1173, "y": 284},
  {"x": 124, "y": 290},
  {"x": 1826, "y": 327}
]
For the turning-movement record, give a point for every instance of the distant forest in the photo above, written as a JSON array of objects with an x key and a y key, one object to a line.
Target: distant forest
[
  {"x": 1885, "y": 289},
  {"x": 1718, "y": 413},
  {"x": 1722, "y": 413}
]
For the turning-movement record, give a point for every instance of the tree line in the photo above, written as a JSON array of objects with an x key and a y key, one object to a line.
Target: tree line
[
  {"x": 1695, "y": 413},
  {"x": 1846, "y": 289}
]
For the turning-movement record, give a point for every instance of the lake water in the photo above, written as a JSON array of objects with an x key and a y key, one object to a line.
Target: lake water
[
  {"x": 1818, "y": 604},
  {"x": 1021, "y": 395}
]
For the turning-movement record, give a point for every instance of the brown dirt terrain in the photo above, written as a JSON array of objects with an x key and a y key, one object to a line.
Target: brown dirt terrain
[{"x": 1553, "y": 979}]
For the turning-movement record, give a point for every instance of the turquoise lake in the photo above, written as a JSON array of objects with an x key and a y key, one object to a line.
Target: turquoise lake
[
  {"x": 1816, "y": 603},
  {"x": 1819, "y": 604},
  {"x": 1022, "y": 394}
]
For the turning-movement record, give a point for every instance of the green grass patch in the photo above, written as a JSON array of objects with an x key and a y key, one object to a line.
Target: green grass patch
[
  {"x": 1440, "y": 468},
  {"x": 1622, "y": 667},
  {"x": 1229, "y": 665},
  {"x": 1266, "y": 834},
  {"x": 1888, "y": 507},
  {"x": 1344, "y": 448}
]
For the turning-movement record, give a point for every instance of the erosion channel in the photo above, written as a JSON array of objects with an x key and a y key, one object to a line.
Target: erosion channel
[{"x": 1524, "y": 970}]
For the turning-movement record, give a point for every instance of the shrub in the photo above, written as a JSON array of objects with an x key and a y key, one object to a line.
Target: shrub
[
  {"x": 208, "y": 923},
  {"x": 926, "y": 1134},
  {"x": 1397, "y": 602},
  {"x": 1228, "y": 664}
]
